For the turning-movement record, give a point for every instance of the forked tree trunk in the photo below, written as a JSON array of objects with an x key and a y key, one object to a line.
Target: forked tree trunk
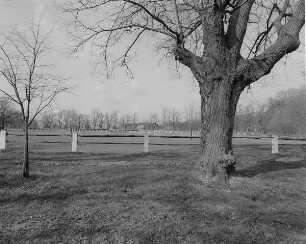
[
  {"x": 218, "y": 107},
  {"x": 25, "y": 168}
]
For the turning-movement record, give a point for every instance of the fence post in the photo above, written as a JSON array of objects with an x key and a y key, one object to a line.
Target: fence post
[
  {"x": 275, "y": 145},
  {"x": 146, "y": 143},
  {"x": 74, "y": 141},
  {"x": 2, "y": 140}
]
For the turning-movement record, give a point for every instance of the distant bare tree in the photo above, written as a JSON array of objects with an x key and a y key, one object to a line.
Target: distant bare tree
[
  {"x": 164, "y": 115},
  {"x": 48, "y": 119},
  {"x": 111, "y": 119},
  {"x": 249, "y": 112},
  {"x": 134, "y": 121},
  {"x": 101, "y": 120},
  {"x": 175, "y": 117},
  {"x": 125, "y": 120},
  {"x": 6, "y": 111},
  {"x": 81, "y": 119},
  {"x": 60, "y": 119},
  {"x": 70, "y": 118},
  {"x": 86, "y": 122},
  {"x": 190, "y": 115},
  {"x": 31, "y": 85},
  {"x": 95, "y": 114},
  {"x": 287, "y": 112},
  {"x": 170, "y": 117},
  {"x": 261, "y": 118},
  {"x": 153, "y": 121}
]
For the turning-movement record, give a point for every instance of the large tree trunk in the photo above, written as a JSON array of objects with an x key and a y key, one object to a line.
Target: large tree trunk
[
  {"x": 223, "y": 74},
  {"x": 25, "y": 168},
  {"x": 218, "y": 107}
]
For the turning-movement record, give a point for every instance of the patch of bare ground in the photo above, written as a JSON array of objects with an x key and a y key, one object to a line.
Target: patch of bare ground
[{"x": 152, "y": 198}]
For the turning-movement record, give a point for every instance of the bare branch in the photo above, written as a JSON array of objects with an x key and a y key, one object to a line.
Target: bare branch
[
  {"x": 238, "y": 24},
  {"x": 287, "y": 42},
  {"x": 20, "y": 61}
]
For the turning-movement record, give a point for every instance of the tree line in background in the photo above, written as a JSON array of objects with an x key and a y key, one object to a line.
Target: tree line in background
[
  {"x": 284, "y": 114},
  {"x": 72, "y": 120},
  {"x": 11, "y": 118}
]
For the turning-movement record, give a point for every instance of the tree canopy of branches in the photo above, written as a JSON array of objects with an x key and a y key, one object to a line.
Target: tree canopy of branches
[
  {"x": 226, "y": 44},
  {"x": 29, "y": 83}
]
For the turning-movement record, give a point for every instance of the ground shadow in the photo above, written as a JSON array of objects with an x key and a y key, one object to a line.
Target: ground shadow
[
  {"x": 266, "y": 166},
  {"x": 54, "y": 195},
  {"x": 16, "y": 180},
  {"x": 81, "y": 156}
]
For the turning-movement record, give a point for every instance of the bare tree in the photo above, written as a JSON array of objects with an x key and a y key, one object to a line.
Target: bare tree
[
  {"x": 48, "y": 119},
  {"x": 86, "y": 121},
  {"x": 154, "y": 121},
  {"x": 249, "y": 118},
  {"x": 111, "y": 119},
  {"x": 6, "y": 111},
  {"x": 60, "y": 119},
  {"x": 260, "y": 117},
  {"x": 164, "y": 114},
  {"x": 170, "y": 117},
  {"x": 125, "y": 121},
  {"x": 134, "y": 121},
  {"x": 190, "y": 115},
  {"x": 81, "y": 119},
  {"x": 70, "y": 118},
  {"x": 31, "y": 85},
  {"x": 226, "y": 44},
  {"x": 101, "y": 120},
  {"x": 175, "y": 117},
  {"x": 95, "y": 117}
]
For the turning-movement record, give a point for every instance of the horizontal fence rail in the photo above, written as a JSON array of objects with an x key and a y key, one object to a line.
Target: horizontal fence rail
[{"x": 162, "y": 136}]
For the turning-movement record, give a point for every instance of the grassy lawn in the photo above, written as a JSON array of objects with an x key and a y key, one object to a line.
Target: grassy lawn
[{"x": 115, "y": 194}]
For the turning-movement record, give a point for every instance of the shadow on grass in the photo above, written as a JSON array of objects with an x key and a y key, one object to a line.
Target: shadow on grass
[
  {"x": 79, "y": 156},
  {"x": 267, "y": 166},
  {"x": 53, "y": 195},
  {"x": 16, "y": 180}
]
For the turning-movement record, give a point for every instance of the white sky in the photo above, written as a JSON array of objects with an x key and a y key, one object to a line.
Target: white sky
[{"x": 155, "y": 85}]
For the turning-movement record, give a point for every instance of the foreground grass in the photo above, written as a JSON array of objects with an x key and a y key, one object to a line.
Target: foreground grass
[{"x": 151, "y": 198}]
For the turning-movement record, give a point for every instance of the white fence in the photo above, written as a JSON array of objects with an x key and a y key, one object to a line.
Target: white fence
[{"x": 146, "y": 139}]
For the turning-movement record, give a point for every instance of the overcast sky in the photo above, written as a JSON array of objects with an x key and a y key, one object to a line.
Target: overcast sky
[{"x": 156, "y": 83}]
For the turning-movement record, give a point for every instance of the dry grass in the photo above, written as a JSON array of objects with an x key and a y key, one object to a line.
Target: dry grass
[{"x": 124, "y": 196}]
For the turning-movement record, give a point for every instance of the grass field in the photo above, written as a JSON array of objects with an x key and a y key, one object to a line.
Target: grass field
[{"x": 114, "y": 193}]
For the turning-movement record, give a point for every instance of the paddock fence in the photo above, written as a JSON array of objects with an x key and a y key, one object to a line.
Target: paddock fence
[{"x": 145, "y": 138}]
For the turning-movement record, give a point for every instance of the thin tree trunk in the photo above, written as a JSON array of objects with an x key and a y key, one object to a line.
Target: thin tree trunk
[
  {"x": 218, "y": 107},
  {"x": 25, "y": 168}
]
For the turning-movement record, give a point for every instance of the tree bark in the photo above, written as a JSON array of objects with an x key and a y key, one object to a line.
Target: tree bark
[
  {"x": 25, "y": 168},
  {"x": 218, "y": 107}
]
